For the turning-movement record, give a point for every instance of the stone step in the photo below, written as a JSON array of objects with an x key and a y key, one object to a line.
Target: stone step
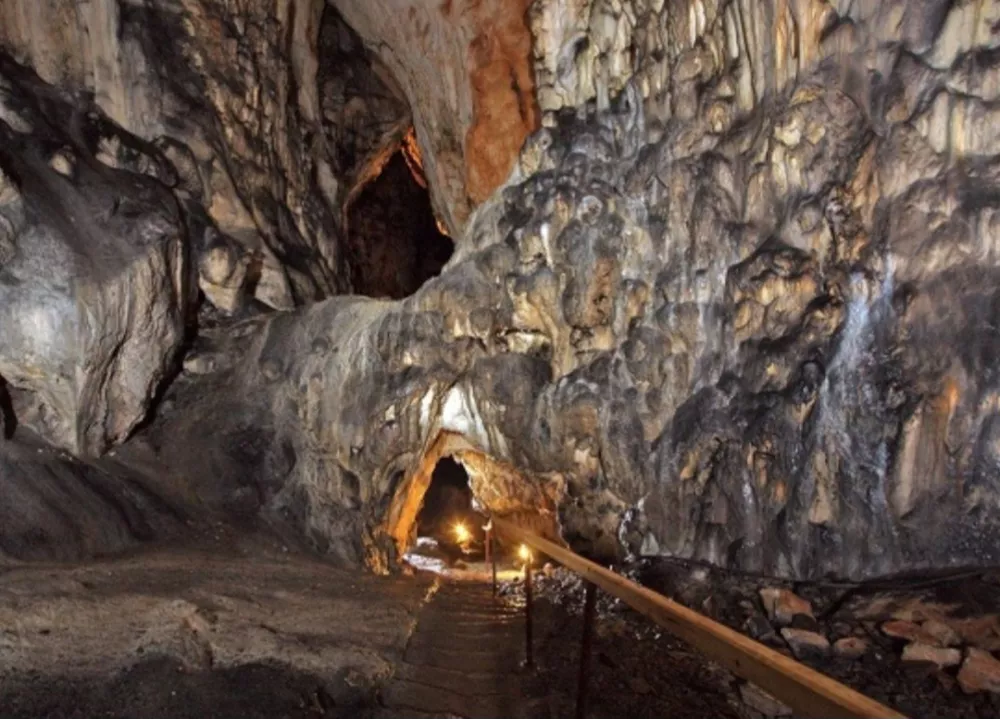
[
  {"x": 502, "y": 660},
  {"x": 458, "y": 601},
  {"x": 453, "y": 608},
  {"x": 434, "y": 700},
  {"x": 401, "y": 713},
  {"x": 443, "y": 623},
  {"x": 470, "y": 645},
  {"x": 468, "y": 594},
  {"x": 463, "y": 633},
  {"x": 472, "y": 619},
  {"x": 464, "y": 660},
  {"x": 461, "y": 682}
]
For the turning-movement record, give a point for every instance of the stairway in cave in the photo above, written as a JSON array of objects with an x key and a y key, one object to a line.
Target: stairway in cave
[{"x": 465, "y": 659}]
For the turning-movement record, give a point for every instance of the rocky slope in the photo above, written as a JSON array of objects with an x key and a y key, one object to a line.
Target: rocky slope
[{"x": 736, "y": 300}]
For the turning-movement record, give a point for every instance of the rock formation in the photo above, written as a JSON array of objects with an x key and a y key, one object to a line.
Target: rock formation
[{"x": 724, "y": 283}]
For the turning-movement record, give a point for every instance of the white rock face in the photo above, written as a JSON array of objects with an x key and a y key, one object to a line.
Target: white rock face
[{"x": 94, "y": 286}]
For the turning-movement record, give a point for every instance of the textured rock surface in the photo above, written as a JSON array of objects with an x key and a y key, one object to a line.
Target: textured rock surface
[
  {"x": 980, "y": 672},
  {"x": 94, "y": 285},
  {"x": 735, "y": 303},
  {"x": 241, "y": 629},
  {"x": 926, "y": 653},
  {"x": 53, "y": 507},
  {"x": 271, "y": 114},
  {"x": 465, "y": 67}
]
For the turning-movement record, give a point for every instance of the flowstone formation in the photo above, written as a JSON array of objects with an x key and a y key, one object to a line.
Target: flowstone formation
[{"x": 736, "y": 300}]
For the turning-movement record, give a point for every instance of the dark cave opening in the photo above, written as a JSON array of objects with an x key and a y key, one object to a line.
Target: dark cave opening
[
  {"x": 8, "y": 419},
  {"x": 447, "y": 514},
  {"x": 394, "y": 242}
]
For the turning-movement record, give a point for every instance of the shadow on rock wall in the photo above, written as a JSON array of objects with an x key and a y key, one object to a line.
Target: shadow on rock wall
[{"x": 737, "y": 303}]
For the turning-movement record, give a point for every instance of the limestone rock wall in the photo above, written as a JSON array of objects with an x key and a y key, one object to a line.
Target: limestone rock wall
[
  {"x": 761, "y": 342},
  {"x": 465, "y": 68},
  {"x": 736, "y": 300},
  {"x": 236, "y": 96},
  {"x": 94, "y": 270}
]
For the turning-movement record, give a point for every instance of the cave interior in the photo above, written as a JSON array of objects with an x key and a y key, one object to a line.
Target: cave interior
[
  {"x": 448, "y": 515},
  {"x": 705, "y": 291}
]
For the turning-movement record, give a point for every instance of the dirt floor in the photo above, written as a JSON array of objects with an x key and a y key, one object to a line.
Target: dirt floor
[
  {"x": 239, "y": 627},
  {"x": 243, "y": 626}
]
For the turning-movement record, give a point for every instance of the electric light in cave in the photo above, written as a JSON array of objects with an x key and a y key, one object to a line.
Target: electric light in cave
[
  {"x": 462, "y": 533},
  {"x": 524, "y": 553}
]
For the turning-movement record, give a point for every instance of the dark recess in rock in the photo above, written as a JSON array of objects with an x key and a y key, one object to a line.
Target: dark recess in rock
[
  {"x": 448, "y": 501},
  {"x": 394, "y": 243}
]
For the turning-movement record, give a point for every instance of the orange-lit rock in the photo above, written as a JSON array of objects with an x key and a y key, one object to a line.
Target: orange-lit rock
[{"x": 503, "y": 103}]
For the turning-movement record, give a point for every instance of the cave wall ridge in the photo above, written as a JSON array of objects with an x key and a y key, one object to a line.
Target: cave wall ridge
[{"x": 733, "y": 297}]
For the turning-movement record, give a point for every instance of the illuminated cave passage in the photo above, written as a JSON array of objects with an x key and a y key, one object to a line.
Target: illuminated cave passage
[
  {"x": 394, "y": 243},
  {"x": 725, "y": 318},
  {"x": 447, "y": 515}
]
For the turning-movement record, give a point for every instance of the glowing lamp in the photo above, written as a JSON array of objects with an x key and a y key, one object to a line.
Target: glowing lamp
[
  {"x": 524, "y": 553},
  {"x": 462, "y": 533}
]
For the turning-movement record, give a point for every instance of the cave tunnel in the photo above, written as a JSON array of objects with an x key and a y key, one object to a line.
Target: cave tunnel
[
  {"x": 448, "y": 517},
  {"x": 395, "y": 243}
]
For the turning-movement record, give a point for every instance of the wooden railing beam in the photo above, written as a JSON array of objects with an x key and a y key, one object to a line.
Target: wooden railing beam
[{"x": 807, "y": 691}]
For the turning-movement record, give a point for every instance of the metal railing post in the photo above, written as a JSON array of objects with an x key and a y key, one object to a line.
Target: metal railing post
[
  {"x": 491, "y": 557},
  {"x": 529, "y": 656},
  {"x": 589, "y": 604}
]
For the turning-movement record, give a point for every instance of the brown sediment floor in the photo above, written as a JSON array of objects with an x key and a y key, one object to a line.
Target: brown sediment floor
[
  {"x": 240, "y": 625},
  {"x": 239, "y": 628}
]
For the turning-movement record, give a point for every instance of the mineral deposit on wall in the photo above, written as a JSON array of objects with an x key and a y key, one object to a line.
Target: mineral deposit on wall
[{"x": 725, "y": 282}]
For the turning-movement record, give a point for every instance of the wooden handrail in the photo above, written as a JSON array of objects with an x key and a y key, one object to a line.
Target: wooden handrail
[{"x": 807, "y": 691}]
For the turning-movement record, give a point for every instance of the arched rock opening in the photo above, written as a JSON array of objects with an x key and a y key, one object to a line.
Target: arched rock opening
[
  {"x": 495, "y": 488},
  {"x": 8, "y": 418},
  {"x": 392, "y": 243},
  {"x": 448, "y": 515}
]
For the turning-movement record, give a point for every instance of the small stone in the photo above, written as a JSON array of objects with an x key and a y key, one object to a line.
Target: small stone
[
  {"x": 901, "y": 629},
  {"x": 939, "y": 656},
  {"x": 850, "y": 647},
  {"x": 758, "y": 627},
  {"x": 62, "y": 163},
  {"x": 708, "y": 606},
  {"x": 806, "y": 644},
  {"x": 945, "y": 635},
  {"x": 980, "y": 672},
  {"x": 783, "y": 605},
  {"x": 804, "y": 621},
  {"x": 841, "y": 629},
  {"x": 759, "y": 700},
  {"x": 640, "y": 685}
]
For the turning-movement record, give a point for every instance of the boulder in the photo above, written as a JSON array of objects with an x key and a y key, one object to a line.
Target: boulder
[
  {"x": 941, "y": 657},
  {"x": 980, "y": 672},
  {"x": 805, "y": 644},
  {"x": 95, "y": 293},
  {"x": 910, "y": 632},
  {"x": 850, "y": 647},
  {"x": 782, "y": 605},
  {"x": 943, "y": 634}
]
